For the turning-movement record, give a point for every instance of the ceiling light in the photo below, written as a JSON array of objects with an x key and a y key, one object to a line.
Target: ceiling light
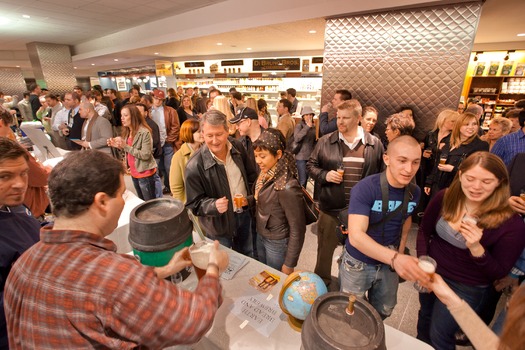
[
  {"x": 17, "y": 66},
  {"x": 92, "y": 64},
  {"x": 219, "y": 44},
  {"x": 26, "y": 16},
  {"x": 507, "y": 56},
  {"x": 312, "y": 31},
  {"x": 4, "y": 21},
  {"x": 249, "y": 48},
  {"x": 521, "y": 34},
  {"x": 74, "y": 67},
  {"x": 115, "y": 59},
  {"x": 156, "y": 53}
]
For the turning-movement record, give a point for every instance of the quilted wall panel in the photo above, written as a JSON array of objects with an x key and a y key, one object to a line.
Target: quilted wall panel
[
  {"x": 416, "y": 57},
  {"x": 52, "y": 64},
  {"x": 12, "y": 81}
]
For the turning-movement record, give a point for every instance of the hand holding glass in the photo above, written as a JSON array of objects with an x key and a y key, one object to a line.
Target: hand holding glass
[{"x": 428, "y": 265}]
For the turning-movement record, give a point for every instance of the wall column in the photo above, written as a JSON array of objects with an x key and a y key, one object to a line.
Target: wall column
[
  {"x": 52, "y": 66},
  {"x": 416, "y": 57}
]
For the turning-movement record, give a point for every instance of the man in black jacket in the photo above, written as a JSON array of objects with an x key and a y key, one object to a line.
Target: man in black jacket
[
  {"x": 214, "y": 175},
  {"x": 339, "y": 160}
]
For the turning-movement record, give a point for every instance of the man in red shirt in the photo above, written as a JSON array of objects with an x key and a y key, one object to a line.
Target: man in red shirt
[{"x": 72, "y": 290}]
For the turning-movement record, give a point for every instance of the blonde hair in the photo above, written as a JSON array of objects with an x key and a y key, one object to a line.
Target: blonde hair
[
  {"x": 252, "y": 103},
  {"x": 495, "y": 209},
  {"x": 443, "y": 116},
  {"x": 505, "y": 124},
  {"x": 455, "y": 136}
]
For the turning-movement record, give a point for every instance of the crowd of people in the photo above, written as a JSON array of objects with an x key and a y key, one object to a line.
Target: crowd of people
[{"x": 244, "y": 181}]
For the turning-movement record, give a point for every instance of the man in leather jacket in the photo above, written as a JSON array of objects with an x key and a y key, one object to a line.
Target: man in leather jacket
[
  {"x": 214, "y": 175},
  {"x": 357, "y": 152}
]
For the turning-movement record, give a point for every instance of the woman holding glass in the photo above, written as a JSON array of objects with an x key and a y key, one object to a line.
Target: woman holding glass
[
  {"x": 136, "y": 141},
  {"x": 190, "y": 134},
  {"x": 474, "y": 237},
  {"x": 280, "y": 213},
  {"x": 464, "y": 141}
]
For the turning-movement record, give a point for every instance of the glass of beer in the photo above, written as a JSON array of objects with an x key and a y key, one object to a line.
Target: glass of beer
[
  {"x": 200, "y": 256},
  {"x": 237, "y": 201},
  {"x": 522, "y": 194},
  {"x": 341, "y": 169},
  {"x": 443, "y": 159},
  {"x": 427, "y": 264}
]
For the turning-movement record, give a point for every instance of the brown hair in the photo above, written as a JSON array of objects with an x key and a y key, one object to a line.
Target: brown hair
[
  {"x": 495, "y": 208},
  {"x": 513, "y": 334},
  {"x": 187, "y": 129},
  {"x": 184, "y": 98},
  {"x": 353, "y": 106},
  {"x": 455, "y": 136},
  {"x": 137, "y": 120},
  {"x": 402, "y": 123}
]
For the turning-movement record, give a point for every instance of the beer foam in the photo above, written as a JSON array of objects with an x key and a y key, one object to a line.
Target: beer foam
[
  {"x": 426, "y": 266},
  {"x": 200, "y": 255}
]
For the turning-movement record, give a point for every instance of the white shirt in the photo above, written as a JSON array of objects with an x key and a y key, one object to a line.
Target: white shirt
[
  {"x": 157, "y": 114},
  {"x": 60, "y": 118},
  {"x": 360, "y": 137}
]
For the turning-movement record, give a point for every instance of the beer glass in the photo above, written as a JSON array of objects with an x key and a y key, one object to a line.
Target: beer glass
[{"x": 427, "y": 264}]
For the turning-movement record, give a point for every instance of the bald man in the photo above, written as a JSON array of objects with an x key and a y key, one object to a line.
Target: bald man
[
  {"x": 96, "y": 130},
  {"x": 378, "y": 225}
]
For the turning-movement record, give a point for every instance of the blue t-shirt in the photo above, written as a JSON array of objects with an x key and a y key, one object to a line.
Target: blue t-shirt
[{"x": 366, "y": 199}]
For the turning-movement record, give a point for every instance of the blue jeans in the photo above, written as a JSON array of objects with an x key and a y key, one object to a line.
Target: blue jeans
[
  {"x": 272, "y": 251},
  {"x": 145, "y": 186},
  {"x": 164, "y": 163},
  {"x": 435, "y": 324},
  {"x": 301, "y": 170},
  {"x": 242, "y": 241},
  {"x": 379, "y": 281}
]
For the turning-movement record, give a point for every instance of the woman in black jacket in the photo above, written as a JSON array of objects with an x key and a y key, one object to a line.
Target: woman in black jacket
[
  {"x": 280, "y": 213},
  {"x": 464, "y": 141}
]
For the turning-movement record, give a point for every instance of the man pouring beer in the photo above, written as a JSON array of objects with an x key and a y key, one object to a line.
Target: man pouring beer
[{"x": 72, "y": 290}]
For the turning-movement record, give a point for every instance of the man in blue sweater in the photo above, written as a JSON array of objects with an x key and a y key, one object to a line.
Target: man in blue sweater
[{"x": 18, "y": 229}]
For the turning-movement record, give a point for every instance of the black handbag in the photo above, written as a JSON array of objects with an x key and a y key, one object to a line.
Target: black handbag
[{"x": 311, "y": 212}]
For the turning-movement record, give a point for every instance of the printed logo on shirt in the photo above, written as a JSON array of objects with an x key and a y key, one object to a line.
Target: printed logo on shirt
[{"x": 392, "y": 205}]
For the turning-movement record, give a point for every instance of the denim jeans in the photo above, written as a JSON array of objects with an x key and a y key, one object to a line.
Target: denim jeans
[
  {"x": 242, "y": 241},
  {"x": 357, "y": 277},
  {"x": 272, "y": 251},
  {"x": 164, "y": 163},
  {"x": 435, "y": 324},
  {"x": 145, "y": 186},
  {"x": 301, "y": 170}
]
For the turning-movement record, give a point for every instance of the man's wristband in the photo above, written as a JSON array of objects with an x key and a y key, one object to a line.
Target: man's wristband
[{"x": 392, "y": 261}]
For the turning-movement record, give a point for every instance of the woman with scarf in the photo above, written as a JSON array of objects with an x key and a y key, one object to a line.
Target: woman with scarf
[{"x": 279, "y": 212}]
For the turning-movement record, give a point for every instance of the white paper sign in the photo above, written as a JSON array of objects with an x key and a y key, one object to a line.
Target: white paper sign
[
  {"x": 263, "y": 315},
  {"x": 237, "y": 262}
]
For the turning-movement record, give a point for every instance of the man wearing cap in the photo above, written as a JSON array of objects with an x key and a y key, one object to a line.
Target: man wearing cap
[
  {"x": 249, "y": 128},
  {"x": 169, "y": 126},
  {"x": 357, "y": 154},
  {"x": 215, "y": 173}
]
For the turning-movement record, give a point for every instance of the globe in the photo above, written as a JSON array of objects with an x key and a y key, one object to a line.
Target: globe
[{"x": 300, "y": 289}]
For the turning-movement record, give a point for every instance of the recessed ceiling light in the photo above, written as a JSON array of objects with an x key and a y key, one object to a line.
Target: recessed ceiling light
[
  {"x": 115, "y": 59},
  {"x": 26, "y": 16},
  {"x": 521, "y": 34},
  {"x": 219, "y": 44},
  {"x": 312, "y": 31},
  {"x": 74, "y": 67},
  {"x": 156, "y": 53},
  {"x": 17, "y": 66},
  {"x": 249, "y": 48},
  {"x": 4, "y": 21},
  {"x": 92, "y": 64}
]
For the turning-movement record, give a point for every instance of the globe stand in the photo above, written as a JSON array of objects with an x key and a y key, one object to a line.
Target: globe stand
[{"x": 295, "y": 323}]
